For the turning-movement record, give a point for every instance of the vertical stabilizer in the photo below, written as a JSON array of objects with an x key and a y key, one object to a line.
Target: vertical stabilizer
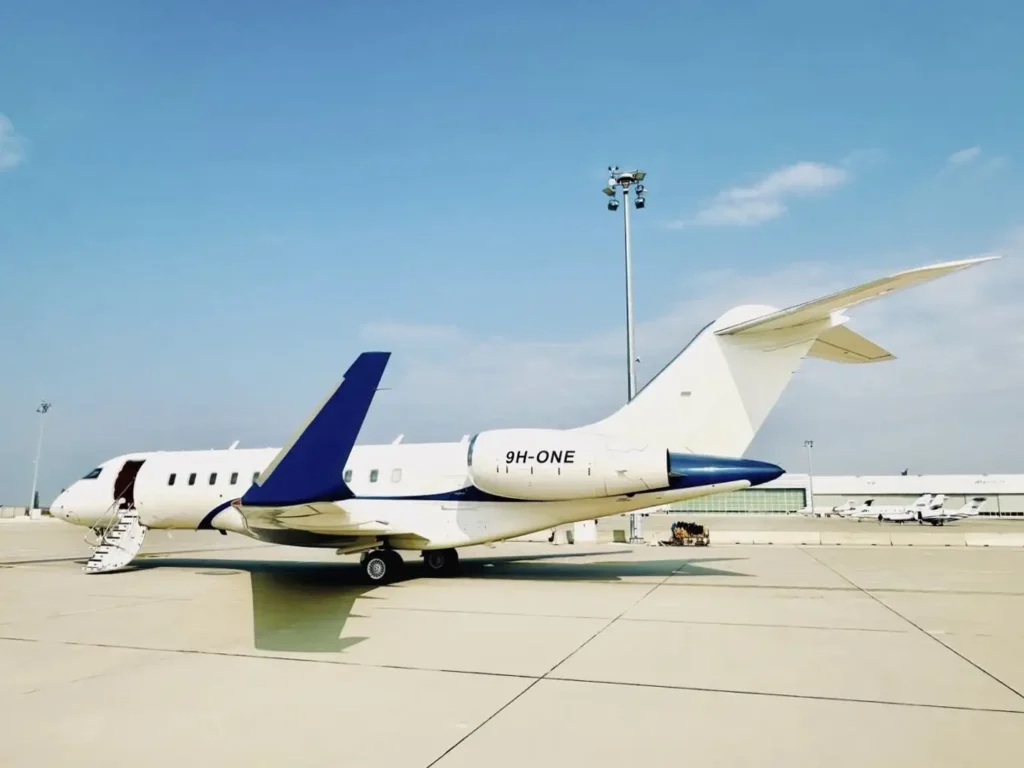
[{"x": 715, "y": 395}]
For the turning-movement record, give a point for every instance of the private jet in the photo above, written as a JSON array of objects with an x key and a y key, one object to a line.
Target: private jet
[
  {"x": 892, "y": 513},
  {"x": 937, "y": 514},
  {"x": 682, "y": 436}
]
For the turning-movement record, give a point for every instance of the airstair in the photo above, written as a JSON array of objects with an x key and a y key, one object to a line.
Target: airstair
[{"x": 119, "y": 542}]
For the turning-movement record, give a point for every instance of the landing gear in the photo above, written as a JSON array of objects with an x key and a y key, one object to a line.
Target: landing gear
[
  {"x": 441, "y": 562},
  {"x": 381, "y": 566}
]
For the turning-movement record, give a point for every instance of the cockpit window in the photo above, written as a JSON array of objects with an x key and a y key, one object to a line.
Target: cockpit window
[{"x": 94, "y": 474}]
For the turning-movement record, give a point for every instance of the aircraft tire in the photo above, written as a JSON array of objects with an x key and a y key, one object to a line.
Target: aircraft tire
[
  {"x": 382, "y": 566},
  {"x": 441, "y": 562}
]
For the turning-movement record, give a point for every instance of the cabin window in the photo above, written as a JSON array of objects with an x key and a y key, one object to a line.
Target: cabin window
[
  {"x": 234, "y": 478},
  {"x": 213, "y": 478},
  {"x": 254, "y": 476},
  {"x": 94, "y": 474},
  {"x": 171, "y": 478},
  {"x": 192, "y": 479},
  {"x": 347, "y": 477},
  {"x": 373, "y": 475},
  {"x": 396, "y": 475}
]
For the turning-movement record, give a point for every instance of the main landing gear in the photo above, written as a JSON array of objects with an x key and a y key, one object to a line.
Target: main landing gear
[
  {"x": 440, "y": 562},
  {"x": 381, "y": 566}
]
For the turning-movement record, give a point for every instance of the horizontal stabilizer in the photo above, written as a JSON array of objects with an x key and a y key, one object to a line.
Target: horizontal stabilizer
[
  {"x": 713, "y": 397},
  {"x": 309, "y": 469},
  {"x": 841, "y": 345},
  {"x": 821, "y": 309}
]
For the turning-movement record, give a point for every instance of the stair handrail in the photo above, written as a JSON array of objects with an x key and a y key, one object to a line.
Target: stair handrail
[{"x": 111, "y": 516}]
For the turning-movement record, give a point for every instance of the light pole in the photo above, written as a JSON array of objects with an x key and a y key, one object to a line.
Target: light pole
[
  {"x": 41, "y": 410},
  {"x": 808, "y": 444},
  {"x": 619, "y": 179}
]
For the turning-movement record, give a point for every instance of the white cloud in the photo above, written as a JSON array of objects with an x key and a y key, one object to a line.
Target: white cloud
[
  {"x": 12, "y": 146},
  {"x": 974, "y": 161},
  {"x": 964, "y": 156},
  {"x": 767, "y": 199},
  {"x": 949, "y": 402}
]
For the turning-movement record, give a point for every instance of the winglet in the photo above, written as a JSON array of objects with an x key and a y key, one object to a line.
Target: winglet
[{"x": 309, "y": 469}]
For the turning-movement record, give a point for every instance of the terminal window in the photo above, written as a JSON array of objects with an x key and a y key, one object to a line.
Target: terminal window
[{"x": 754, "y": 500}]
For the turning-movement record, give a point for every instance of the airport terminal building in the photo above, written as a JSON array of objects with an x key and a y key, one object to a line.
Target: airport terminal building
[{"x": 791, "y": 493}]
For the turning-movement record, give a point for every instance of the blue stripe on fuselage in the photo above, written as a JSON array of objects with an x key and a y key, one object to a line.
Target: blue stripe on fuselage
[{"x": 685, "y": 470}]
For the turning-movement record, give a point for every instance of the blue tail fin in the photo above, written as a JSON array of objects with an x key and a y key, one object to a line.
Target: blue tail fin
[{"x": 309, "y": 468}]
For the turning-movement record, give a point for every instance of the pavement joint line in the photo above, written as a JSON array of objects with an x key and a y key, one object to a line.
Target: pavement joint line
[
  {"x": 144, "y": 556},
  {"x": 464, "y": 612},
  {"x": 534, "y": 679},
  {"x": 779, "y": 695},
  {"x": 854, "y": 588},
  {"x": 757, "y": 625},
  {"x": 920, "y": 629},
  {"x": 520, "y": 614},
  {"x": 136, "y": 602},
  {"x": 266, "y": 656},
  {"x": 534, "y": 682}
]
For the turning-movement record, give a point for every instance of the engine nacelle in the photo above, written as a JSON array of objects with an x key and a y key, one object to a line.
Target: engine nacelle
[{"x": 553, "y": 465}]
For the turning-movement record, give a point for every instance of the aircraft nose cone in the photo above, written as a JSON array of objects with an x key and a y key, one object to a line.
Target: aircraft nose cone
[
  {"x": 689, "y": 470},
  {"x": 59, "y": 509}
]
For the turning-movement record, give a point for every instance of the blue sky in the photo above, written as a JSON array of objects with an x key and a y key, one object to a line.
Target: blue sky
[{"x": 207, "y": 210}]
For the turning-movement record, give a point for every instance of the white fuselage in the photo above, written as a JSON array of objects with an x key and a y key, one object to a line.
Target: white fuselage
[
  {"x": 407, "y": 492},
  {"x": 891, "y": 513},
  {"x": 941, "y": 515}
]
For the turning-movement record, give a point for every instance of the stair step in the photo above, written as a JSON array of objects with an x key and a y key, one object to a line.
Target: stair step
[{"x": 119, "y": 546}]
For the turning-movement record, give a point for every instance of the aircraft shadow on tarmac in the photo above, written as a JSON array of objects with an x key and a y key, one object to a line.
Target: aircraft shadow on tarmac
[
  {"x": 553, "y": 567},
  {"x": 302, "y": 607}
]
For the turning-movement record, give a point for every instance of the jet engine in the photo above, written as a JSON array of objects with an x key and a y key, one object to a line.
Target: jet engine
[{"x": 553, "y": 465}]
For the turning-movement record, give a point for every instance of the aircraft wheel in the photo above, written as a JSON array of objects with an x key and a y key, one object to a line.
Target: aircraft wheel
[
  {"x": 441, "y": 562},
  {"x": 382, "y": 566}
]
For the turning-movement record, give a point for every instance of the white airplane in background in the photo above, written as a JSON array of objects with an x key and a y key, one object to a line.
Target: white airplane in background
[
  {"x": 846, "y": 509},
  {"x": 892, "y": 513},
  {"x": 937, "y": 514},
  {"x": 679, "y": 438}
]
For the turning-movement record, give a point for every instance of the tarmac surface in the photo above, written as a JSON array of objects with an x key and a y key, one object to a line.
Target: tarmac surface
[
  {"x": 661, "y": 523},
  {"x": 218, "y": 650}
]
